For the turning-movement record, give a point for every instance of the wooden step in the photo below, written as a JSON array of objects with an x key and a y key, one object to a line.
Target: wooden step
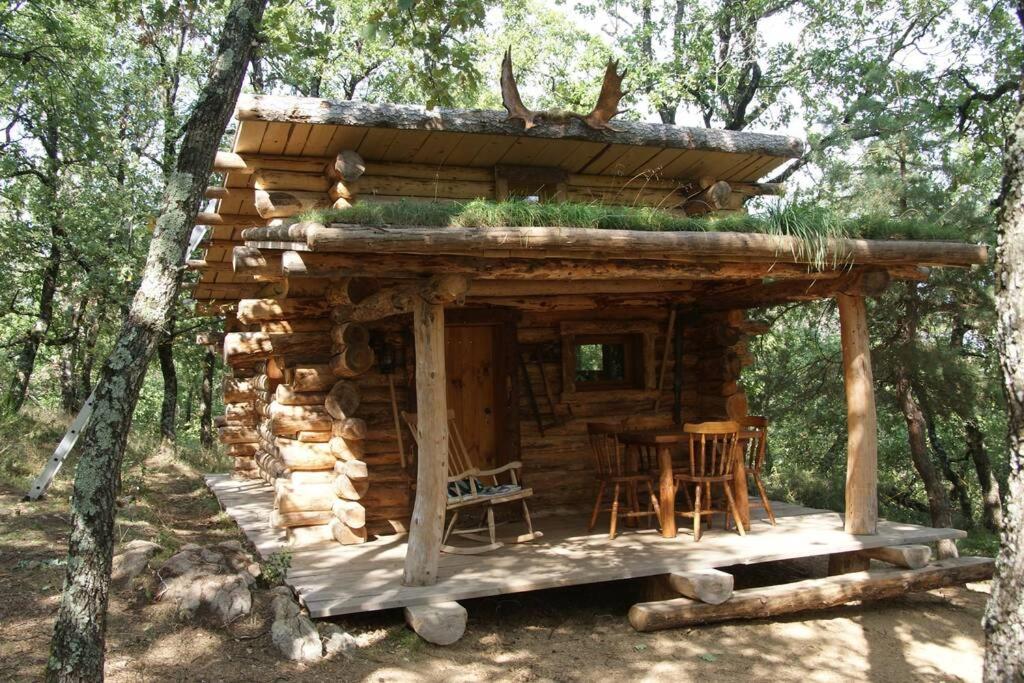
[{"x": 769, "y": 601}]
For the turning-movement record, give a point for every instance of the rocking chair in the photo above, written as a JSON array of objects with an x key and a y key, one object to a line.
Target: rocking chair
[{"x": 470, "y": 487}]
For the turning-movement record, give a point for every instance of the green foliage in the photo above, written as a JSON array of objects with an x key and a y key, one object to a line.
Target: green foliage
[{"x": 275, "y": 568}]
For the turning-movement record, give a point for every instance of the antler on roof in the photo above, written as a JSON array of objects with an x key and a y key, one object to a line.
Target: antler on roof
[
  {"x": 510, "y": 95},
  {"x": 608, "y": 101}
]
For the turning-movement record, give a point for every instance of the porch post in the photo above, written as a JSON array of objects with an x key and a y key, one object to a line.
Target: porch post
[
  {"x": 427, "y": 525},
  {"x": 862, "y": 422}
]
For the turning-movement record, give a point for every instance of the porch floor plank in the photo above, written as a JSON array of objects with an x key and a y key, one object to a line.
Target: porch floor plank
[{"x": 332, "y": 579}]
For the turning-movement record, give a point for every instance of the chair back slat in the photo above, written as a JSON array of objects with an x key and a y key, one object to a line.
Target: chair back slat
[
  {"x": 713, "y": 447},
  {"x": 754, "y": 441},
  {"x": 606, "y": 449},
  {"x": 458, "y": 456}
]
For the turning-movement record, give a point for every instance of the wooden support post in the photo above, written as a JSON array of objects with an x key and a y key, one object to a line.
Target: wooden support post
[
  {"x": 426, "y": 526},
  {"x": 862, "y": 422}
]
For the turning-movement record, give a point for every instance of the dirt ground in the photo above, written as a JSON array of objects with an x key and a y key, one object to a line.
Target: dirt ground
[{"x": 578, "y": 634}]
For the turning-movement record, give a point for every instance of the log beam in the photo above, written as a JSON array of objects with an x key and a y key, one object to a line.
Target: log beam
[
  {"x": 427, "y": 523},
  {"x": 770, "y": 601}
]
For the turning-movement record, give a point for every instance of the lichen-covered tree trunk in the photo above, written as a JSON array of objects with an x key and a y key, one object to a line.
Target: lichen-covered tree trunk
[
  {"x": 206, "y": 392},
  {"x": 992, "y": 504},
  {"x": 77, "y": 649},
  {"x": 1004, "y": 618}
]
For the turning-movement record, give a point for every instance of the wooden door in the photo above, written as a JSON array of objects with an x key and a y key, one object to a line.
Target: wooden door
[{"x": 474, "y": 368}]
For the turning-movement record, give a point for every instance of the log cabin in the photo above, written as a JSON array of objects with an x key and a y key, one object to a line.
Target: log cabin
[{"x": 507, "y": 342}]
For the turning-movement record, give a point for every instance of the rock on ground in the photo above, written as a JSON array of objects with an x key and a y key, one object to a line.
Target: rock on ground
[
  {"x": 132, "y": 560},
  {"x": 215, "y": 578},
  {"x": 338, "y": 641},
  {"x": 293, "y": 632}
]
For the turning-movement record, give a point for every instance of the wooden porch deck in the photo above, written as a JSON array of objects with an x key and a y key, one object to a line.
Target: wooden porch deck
[{"x": 334, "y": 579}]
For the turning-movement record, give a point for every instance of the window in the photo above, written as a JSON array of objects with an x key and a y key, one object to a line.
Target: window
[
  {"x": 611, "y": 356},
  {"x": 607, "y": 361}
]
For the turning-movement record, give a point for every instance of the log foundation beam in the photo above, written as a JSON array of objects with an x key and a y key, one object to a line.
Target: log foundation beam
[{"x": 442, "y": 623}]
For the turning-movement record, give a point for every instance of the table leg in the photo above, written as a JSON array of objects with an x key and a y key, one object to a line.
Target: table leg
[
  {"x": 666, "y": 494},
  {"x": 739, "y": 489}
]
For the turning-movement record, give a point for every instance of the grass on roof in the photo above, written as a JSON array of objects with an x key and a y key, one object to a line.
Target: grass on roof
[
  {"x": 813, "y": 225},
  {"x": 799, "y": 220}
]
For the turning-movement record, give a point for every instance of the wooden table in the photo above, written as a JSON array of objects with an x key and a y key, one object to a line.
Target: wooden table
[{"x": 662, "y": 440}]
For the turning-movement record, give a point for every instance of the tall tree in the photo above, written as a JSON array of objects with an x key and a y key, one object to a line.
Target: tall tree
[
  {"x": 77, "y": 650},
  {"x": 1004, "y": 618}
]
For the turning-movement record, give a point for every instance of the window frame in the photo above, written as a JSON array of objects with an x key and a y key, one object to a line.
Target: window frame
[{"x": 644, "y": 381}]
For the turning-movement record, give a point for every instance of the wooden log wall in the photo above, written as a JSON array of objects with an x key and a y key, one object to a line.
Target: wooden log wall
[
  {"x": 237, "y": 427},
  {"x": 316, "y": 426}
]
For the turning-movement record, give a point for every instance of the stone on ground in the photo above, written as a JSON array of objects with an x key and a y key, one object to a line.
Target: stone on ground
[
  {"x": 441, "y": 623},
  {"x": 215, "y": 579},
  {"x": 338, "y": 641},
  {"x": 293, "y": 632},
  {"x": 132, "y": 560}
]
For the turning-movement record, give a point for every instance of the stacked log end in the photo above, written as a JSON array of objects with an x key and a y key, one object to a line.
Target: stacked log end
[{"x": 237, "y": 428}]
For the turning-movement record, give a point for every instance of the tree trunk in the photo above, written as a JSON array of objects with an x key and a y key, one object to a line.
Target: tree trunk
[
  {"x": 77, "y": 649},
  {"x": 169, "y": 404},
  {"x": 955, "y": 478},
  {"x": 206, "y": 420},
  {"x": 26, "y": 363},
  {"x": 1004, "y": 618},
  {"x": 70, "y": 355},
  {"x": 938, "y": 501},
  {"x": 992, "y": 504}
]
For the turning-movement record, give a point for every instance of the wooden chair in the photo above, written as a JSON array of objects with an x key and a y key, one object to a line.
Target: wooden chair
[
  {"x": 473, "y": 488},
  {"x": 612, "y": 468},
  {"x": 753, "y": 441},
  {"x": 714, "y": 448}
]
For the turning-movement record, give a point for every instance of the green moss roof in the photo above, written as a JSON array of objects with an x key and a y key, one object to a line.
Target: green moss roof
[{"x": 808, "y": 222}]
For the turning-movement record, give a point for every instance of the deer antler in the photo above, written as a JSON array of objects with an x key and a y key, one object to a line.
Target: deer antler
[
  {"x": 608, "y": 101},
  {"x": 510, "y": 95}
]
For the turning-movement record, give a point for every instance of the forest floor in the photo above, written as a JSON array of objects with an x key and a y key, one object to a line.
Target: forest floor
[{"x": 578, "y": 634}]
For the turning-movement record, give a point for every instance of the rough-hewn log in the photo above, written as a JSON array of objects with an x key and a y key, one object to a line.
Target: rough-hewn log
[
  {"x": 311, "y": 422},
  {"x": 242, "y": 450},
  {"x": 288, "y": 519},
  {"x": 347, "y": 166},
  {"x": 426, "y": 525},
  {"x": 234, "y": 220},
  {"x": 352, "y": 360},
  {"x": 405, "y": 117},
  {"x": 247, "y": 347},
  {"x": 289, "y": 497},
  {"x": 908, "y": 556},
  {"x": 237, "y": 434},
  {"x": 250, "y": 261},
  {"x": 281, "y": 203},
  {"x": 246, "y": 164},
  {"x": 556, "y": 242},
  {"x": 352, "y": 429},
  {"x": 440, "y": 623},
  {"x": 286, "y": 395},
  {"x": 811, "y": 594},
  {"x": 342, "y": 400},
  {"x": 312, "y": 378},
  {"x": 345, "y": 534},
  {"x": 350, "y": 489},
  {"x": 258, "y": 310},
  {"x": 237, "y": 390},
  {"x": 350, "y": 512},
  {"x": 862, "y": 422},
  {"x": 706, "y": 585},
  {"x": 350, "y": 334},
  {"x": 347, "y": 449},
  {"x": 439, "y": 289},
  {"x": 297, "y": 455}
]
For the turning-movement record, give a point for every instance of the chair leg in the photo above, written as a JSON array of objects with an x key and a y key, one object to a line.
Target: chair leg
[
  {"x": 526, "y": 517},
  {"x": 451, "y": 525},
  {"x": 711, "y": 505},
  {"x": 731, "y": 505},
  {"x": 764, "y": 498},
  {"x": 615, "y": 512},
  {"x": 696, "y": 514},
  {"x": 597, "y": 506},
  {"x": 490, "y": 524},
  {"x": 654, "y": 502}
]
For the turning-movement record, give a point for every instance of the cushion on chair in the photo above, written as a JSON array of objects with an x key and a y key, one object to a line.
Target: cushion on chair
[{"x": 461, "y": 489}]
